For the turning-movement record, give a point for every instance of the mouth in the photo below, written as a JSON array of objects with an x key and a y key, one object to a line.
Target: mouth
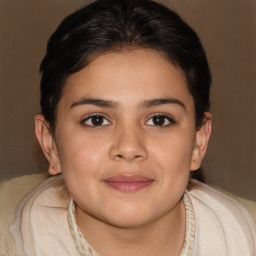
[{"x": 128, "y": 183}]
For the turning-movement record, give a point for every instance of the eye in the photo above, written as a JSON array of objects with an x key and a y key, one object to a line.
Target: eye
[
  {"x": 160, "y": 120},
  {"x": 95, "y": 120}
]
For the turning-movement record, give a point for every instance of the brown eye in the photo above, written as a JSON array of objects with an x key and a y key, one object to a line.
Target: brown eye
[
  {"x": 160, "y": 120},
  {"x": 96, "y": 120}
]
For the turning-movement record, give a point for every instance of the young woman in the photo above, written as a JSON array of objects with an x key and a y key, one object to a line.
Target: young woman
[{"x": 125, "y": 120}]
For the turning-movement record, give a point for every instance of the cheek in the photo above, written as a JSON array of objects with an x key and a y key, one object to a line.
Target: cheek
[
  {"x": 79, "y": 153},
  {"x": 173, "y": 157},
  {"x": 80, "y": 160},
  {"x": 173, "y": 162},
  {"x": 174, "y": 152}
]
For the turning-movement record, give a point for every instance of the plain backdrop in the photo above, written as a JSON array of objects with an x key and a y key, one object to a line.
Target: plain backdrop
[{"x": 227, "y": 29}]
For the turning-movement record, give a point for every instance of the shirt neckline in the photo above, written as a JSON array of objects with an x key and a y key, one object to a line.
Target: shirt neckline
[{"x": 85, "y": 249}]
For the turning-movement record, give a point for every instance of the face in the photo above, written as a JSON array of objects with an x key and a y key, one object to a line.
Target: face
[{"x": 125, "y": 138}]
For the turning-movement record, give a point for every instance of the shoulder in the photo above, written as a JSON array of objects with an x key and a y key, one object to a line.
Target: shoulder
[
  {"x": 50, "y": 192},
  {"x": 212, "y": 197},
  {"x": 12, "y": 191},
  {"x": 39, "y": 219},
  {"x": 222, "y": 221}
]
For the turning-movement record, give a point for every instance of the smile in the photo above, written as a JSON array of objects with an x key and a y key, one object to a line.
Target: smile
[{"x": 128, "y": 183}]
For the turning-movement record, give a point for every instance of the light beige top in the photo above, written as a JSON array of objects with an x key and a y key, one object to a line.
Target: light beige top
[
  {"x": 222, "y": 226},
  {"x": 85, "y": 249}
]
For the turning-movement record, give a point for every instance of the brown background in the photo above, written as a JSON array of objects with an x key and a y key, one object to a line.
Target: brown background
[{"x": 227, "y": 29}]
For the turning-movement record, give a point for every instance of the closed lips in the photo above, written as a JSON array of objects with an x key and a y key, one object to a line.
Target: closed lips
[{"x": 128, "y": 183}]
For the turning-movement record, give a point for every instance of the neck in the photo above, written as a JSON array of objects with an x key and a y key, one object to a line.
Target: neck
[{"x": 162, "y": 236}]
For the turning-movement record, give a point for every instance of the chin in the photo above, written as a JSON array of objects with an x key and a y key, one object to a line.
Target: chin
[
  {"x": 129, "y": 218},
  {"x": 129, "y": 223}
]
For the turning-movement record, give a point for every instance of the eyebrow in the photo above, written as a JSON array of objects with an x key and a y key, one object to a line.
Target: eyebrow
[
  {"x": 96, "y": 102},
  {"x": 157, "y": 102},
  {"x": 112, "y": 104}
]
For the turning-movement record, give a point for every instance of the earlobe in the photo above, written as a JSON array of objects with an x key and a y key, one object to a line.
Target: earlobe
[
  {"x": 201, "y": 142},
  {"x": 47, "y": 143}
]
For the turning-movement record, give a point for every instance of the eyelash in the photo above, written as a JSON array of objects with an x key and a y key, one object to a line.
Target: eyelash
[
  {"x": 96, "y": 115},
  {"x": 166, "y": 118}
]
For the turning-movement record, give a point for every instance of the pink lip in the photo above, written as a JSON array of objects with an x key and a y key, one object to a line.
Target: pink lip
[{"x": 128, "y": 183}]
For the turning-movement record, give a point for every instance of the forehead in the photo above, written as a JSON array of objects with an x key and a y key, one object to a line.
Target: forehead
[{"x": 125, "y": 75}]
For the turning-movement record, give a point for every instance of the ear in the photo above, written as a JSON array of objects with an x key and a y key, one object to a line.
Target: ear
[
  {"x": 47, "y": 143},
  {"x": 201, "y": 142}
]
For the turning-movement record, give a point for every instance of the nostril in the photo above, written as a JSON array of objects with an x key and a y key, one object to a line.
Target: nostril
[{"x": 120, "y": 156}]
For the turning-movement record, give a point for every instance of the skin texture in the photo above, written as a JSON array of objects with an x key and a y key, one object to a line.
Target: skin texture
[{"x": 133, "y": 87}]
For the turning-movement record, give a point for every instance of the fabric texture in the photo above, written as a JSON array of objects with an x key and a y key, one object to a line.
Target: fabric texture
[
  {"x": 222, "y": 225},
  {"x": 86, "y": 249},
  {"x": 83, "y": 247},
  {"x": 11, "y": 192}
]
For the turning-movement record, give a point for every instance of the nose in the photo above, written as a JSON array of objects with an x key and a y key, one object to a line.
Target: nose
[{"x": 128, "y": 145}]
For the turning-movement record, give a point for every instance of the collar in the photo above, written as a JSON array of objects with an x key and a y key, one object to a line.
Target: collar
[{"x": 85, "y": 249}]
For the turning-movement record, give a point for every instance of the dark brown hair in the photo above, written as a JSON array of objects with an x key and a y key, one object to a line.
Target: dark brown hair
[{"x": 113, "y": 25}]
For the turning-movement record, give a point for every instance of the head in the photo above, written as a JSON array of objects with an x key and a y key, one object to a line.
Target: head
[
  {"x": 137, "y": 49},
  {"x": 116, "y": 25}
]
